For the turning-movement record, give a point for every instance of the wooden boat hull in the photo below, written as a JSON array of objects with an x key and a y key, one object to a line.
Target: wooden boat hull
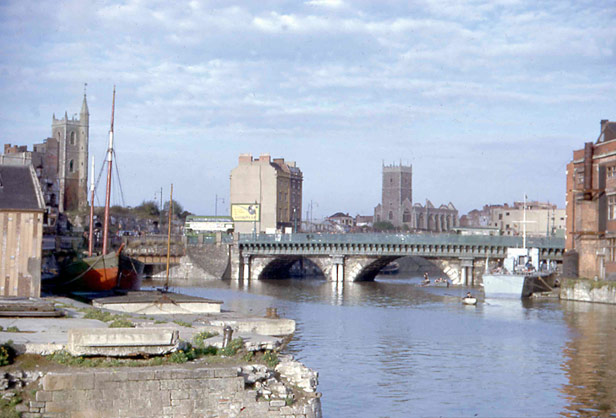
[{"x": 102, "y": 273}]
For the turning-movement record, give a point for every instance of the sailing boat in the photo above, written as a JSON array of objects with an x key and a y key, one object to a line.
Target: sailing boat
[{"x": 109, "y": 270}]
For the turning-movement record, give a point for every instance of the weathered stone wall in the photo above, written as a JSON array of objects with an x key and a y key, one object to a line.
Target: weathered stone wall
[
  {"x": 600, "y": 291},
  {"x": 159, "y": 392},
  {"x": 206, "y": 262}
]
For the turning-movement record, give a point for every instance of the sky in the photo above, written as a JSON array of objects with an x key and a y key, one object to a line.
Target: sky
[{"x": 487, "y": 99}]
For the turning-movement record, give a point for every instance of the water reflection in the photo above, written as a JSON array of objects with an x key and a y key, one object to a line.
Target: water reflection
[
  {"x": 590, "y": 361},
  {"x": 393, "y": 348}
]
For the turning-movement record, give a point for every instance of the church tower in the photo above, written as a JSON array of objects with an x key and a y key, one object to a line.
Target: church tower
[
  {"x": 73, "y": 137},
  {"x": 397, "y": 196}
]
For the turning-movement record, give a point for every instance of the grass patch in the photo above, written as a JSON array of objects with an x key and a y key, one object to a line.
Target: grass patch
[
  {"x": 121, "y": 323},
  {"x": 115, "y": 321},
  {"x": 7, "y": 407},
  {"x": 183, "y": 323},
  {"x": 9, "y": 329}
]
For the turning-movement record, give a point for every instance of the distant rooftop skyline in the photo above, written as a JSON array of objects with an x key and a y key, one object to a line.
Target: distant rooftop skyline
[{"x": 487, "y": 99}]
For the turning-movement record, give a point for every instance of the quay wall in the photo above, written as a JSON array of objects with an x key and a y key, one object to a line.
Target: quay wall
[
  {"x": 585, "y": 290},
  {"x": 205, "y": 262},
  {"x": 158, "y": 392}
]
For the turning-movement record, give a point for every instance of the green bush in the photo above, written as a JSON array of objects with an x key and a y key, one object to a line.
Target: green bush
[
  {"x": 7, "y": 353},
  {"x": 199, "y": 339},
  {"x": 233, "y": 347},
  {"x": 271, "y": 359},
  {"x": 12, "y": 329}
]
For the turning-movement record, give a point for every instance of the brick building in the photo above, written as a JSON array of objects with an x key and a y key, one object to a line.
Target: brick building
[{"x": 591, "y": 205}]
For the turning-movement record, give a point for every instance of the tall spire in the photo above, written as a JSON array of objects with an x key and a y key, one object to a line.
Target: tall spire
[{"x": 84, "y": 105}]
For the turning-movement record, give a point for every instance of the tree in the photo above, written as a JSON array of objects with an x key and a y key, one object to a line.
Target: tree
[
  {"x": 178, "y": 210},
  {"x": 147, "y": 208},
  {"x": 384, "y": 226}
]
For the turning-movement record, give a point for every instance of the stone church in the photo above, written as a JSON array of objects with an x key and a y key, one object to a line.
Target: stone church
[
  {"x": 60, "y": 163},
  {"x": 397, "y": 205}
]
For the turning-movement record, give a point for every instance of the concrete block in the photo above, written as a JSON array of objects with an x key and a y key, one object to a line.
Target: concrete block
[
  {"x": 83, "y": 381},
  {"x": 36, "y": 404},
  {"x": 182, "y": 407},
  {"x": 162, "y": 374},
  {"x": 226, "y": 372},
  {"x": 122, "y": 342},
  {"x": 170, "y": 384},
  {"x": 43, "y": 396},
  {"x": 141, "y": 375},
  {"x": 277, "y": 403},
  {"x": 56, "y": 407},
  {"x": 262, "y": 326},
  {"x": 53, "y": 382},
  {"x": 102, "y": 376},
  {"x": 60, "y": 396},
  {"x": 179, "y": 395}
]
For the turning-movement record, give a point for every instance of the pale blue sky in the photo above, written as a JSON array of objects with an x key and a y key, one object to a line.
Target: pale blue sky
[{"x": 486, "y": 98}]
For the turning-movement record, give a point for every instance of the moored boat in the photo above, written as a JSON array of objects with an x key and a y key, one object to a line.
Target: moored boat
[
  {"x": 518, "y": 285},
  {"x": 108, "y": 270}
]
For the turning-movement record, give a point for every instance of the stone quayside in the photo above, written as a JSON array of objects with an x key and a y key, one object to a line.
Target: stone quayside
[{"x": 195, "y": 389}]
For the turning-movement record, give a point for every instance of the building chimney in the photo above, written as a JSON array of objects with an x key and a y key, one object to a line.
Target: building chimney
[
  {"x": 245, "y": 158},
  {"x": 588, "y": 152}
]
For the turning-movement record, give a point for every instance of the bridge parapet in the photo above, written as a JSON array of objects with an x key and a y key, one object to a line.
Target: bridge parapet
[{"x": 424, "y": 245}]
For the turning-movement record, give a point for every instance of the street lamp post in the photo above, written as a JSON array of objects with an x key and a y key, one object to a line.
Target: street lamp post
[{"x": 294, "y": 220}]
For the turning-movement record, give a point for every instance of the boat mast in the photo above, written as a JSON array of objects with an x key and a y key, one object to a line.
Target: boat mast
[
  {"x": 91, "y": 239},
  {"x": 169, "y": 237},
  {"x": 524, "y": 224},
  {"x": 109, "y": 163}
]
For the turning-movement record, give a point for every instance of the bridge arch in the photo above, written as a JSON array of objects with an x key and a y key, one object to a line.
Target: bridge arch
[{"x": 281, "y": 266}]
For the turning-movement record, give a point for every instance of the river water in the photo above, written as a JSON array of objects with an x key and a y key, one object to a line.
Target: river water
[{"x": 392, "y": 348}]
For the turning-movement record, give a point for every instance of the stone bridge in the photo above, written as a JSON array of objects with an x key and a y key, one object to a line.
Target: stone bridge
[{"x": 359, "y": 257}]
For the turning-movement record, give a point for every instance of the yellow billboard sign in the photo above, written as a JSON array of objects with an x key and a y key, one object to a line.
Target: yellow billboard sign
[{"x": 245, "y": 212}]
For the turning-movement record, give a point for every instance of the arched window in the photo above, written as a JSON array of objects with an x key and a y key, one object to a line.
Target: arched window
[
  {"x": 406, "y": 216},
  {"x": 72, "y": 138},
  {"x": 70, "y": 166}
]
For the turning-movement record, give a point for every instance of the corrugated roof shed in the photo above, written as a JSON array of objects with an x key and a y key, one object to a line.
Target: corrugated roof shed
[{"x": 19, "y": 189}]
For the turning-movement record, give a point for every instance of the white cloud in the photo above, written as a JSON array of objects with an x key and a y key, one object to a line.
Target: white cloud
[
  {"x": 359, "y": 79},
  {"x": 334, "y": 4}
]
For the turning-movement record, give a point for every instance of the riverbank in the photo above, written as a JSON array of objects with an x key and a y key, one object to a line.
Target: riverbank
[
  {"x": 588, "y": 290},
  {"x": 190, "y": 375}
]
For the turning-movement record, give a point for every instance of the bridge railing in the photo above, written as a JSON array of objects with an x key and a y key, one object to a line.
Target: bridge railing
[{"x": 397, "y": 239}]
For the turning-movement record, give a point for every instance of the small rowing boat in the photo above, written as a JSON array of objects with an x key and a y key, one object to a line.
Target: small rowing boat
[{"x": 469, "y": 300}]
